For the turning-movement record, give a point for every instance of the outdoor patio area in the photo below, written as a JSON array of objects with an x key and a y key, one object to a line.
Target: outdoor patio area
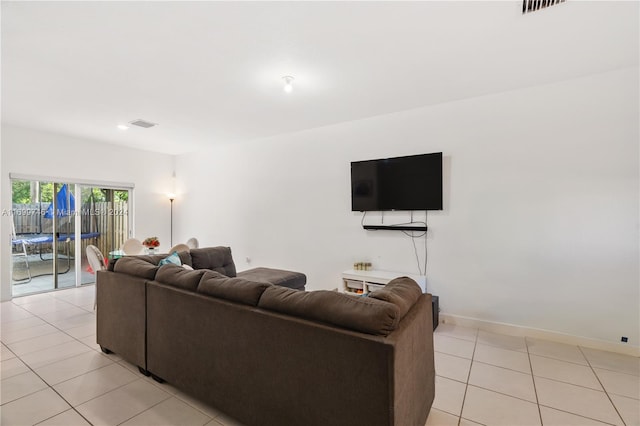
[{"x": 42, "y": 275}]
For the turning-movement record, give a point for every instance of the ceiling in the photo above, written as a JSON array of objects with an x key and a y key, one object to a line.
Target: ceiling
[{"x": 211, "y": 72}]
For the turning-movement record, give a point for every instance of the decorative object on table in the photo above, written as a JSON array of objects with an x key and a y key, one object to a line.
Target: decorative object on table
[
  {"x": 151, "y": 244},
  {"x": 362, "y": 266}
]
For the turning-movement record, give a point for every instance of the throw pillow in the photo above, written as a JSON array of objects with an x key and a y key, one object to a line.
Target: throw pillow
[
  {"x": 172, "y": 258},
  {"x": 187, "y": 267}
]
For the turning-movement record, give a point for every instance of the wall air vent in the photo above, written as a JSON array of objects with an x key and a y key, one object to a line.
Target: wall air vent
[
  {"x": 533, "y": 5},
  {"x": 142, "y": 123}
]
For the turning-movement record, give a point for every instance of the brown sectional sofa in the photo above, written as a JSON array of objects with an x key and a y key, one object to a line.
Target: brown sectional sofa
[
  {"x": 269, "y": 355},
  {"x": 121, "y": 293}
]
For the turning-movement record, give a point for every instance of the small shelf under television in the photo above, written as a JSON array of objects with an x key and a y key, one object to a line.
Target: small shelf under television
[{"x": 356, "y": 282}]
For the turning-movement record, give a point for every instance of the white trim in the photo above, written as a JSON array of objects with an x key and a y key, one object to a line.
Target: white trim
[
  {"x": 78, "y": 241},
  {"x": 84, "y": 182},
  {"x": 131, "y": 208},
  {"x": 554, "y": 336}
]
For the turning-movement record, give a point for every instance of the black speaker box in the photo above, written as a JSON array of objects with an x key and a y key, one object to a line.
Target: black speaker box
[{"x": 435, "y": 305}]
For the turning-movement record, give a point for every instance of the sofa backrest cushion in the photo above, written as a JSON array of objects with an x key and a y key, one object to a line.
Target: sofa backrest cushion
[
  {"x": 217, "y": 259},
  {"x": 153, "y": 259},
  {"x": 139, "y": 266},
  {"x": 402, "y": 292},
  {"x": 363, "y": 314},
  {"x": 177, "y": 276},
  {"x": 234, "y": 289}
]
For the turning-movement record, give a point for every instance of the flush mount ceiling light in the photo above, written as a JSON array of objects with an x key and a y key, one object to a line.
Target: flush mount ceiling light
[
  {"x": 122, "y": 127},
  {"x": 288, "y": 83},
  {"x": 143, "y": 123}
]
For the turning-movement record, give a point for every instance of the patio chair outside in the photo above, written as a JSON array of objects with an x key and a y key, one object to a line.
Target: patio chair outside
[
  {"x": 179, "y": 248},
  {"x": 132, "y": 246}
]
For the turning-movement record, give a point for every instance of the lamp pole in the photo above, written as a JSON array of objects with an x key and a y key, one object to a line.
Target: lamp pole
[{"x": 171, "y": 222}]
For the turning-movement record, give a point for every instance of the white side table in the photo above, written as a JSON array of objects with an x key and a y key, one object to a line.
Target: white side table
[{"x": 362, "y": 282}]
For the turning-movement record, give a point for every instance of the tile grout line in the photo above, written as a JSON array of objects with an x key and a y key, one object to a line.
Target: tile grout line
[
  {"x": 574, "y": 363},
  {"x": 521, "y": 372},
  {"x": 57, "y": 329},
  {"x": 26, "y": 395},
  {"x": 572, "y": 384},
  {"x": 113, "y": 362},
  {"x": 51, "y": 386},
  {"x": 505, "y": 394},
  {"x": 159, "y": 385},
  {"x": 619, "y": 372},
  {"x": 559, "y": 359},
  {"x": 466, "y": 387},
  {"x": 472, "y": 361},
  {"x": 52, "y": 346},
  {"x": 492, "y": 345},
  {"x": 56, "y": 392},
  {"x": 603, "y": 388},
  {"x": 41, "y": 378},
  {"x": 578, "y": 415},
  {"x": 533, "y": 380},
  {"x": 144, "y": 411},
  {"x": 500, "y": 366},
  {"x": 169, "y": 395},
  {"x": 29, "y": 338},
  {"x": 533, "y": 376}
]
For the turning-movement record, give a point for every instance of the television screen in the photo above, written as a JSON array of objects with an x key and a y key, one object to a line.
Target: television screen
[{"x": 400, "y": 183}]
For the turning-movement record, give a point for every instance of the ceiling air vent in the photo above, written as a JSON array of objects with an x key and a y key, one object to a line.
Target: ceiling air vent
[
  {"x": 142, "y": 123},
  {"x": 533, "y": 5}
]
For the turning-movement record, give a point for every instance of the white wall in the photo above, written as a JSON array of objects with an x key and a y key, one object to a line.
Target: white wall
[
  {"x": 45, "y": 154},
  {"x": 540, "y": 225}
]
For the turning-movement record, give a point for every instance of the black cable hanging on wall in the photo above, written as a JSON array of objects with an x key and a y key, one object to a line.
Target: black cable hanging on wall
[{"x": 407, "y": 228}]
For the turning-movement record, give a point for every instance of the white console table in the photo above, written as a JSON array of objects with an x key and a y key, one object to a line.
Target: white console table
[{"x": 363, "y": 282}]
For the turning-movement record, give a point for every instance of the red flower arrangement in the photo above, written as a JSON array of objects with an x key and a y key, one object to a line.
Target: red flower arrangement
[{"x": 151, "y": 242}]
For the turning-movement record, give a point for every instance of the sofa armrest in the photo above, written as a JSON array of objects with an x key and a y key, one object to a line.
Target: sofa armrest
[{"x": 121, "y": 315}]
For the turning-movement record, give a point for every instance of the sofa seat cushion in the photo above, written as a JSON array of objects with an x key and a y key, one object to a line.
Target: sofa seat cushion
[
  {"x": 234, "y": 289},
  {"x": 217, "y": 259},
  {"x": 363, "y": 314},
  {"x": 177, "y": 276},
  {"x": 279, "y": 277}
]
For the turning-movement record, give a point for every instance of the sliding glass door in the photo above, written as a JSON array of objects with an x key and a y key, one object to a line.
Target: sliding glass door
[
  {"x": 105, "y": 213},
  {"x": 52, "y": 224}
]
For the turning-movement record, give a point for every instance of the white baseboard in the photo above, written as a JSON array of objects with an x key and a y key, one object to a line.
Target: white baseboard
[{"x": 554, "y": 336}]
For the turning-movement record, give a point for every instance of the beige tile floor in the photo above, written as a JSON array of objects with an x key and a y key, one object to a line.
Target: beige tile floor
[{"x": 53, "y": 373}]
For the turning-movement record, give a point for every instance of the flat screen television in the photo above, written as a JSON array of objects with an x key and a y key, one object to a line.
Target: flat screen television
[{"x": 401, "y": 183}]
